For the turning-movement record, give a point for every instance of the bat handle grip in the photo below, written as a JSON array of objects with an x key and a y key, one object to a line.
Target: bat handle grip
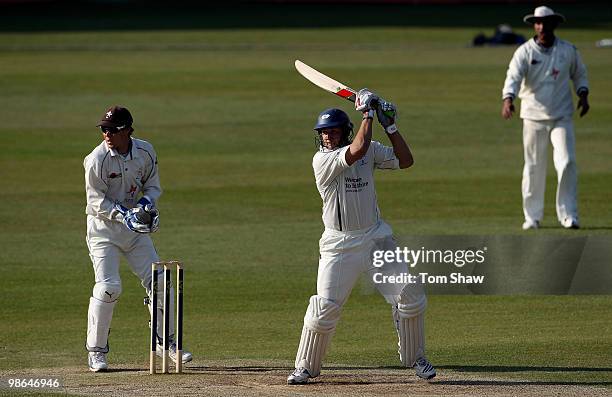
[{"x": 376, "y": 106}]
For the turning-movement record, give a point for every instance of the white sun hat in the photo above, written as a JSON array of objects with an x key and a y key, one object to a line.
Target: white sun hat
[{"x": 542, "y": 12}]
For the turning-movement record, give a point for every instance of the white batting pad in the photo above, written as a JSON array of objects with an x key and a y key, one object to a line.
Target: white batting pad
[
  {"x": 99, "y": 316},
  {"x": 410, "y": 324},
  {"x": 320, "y": 322}
]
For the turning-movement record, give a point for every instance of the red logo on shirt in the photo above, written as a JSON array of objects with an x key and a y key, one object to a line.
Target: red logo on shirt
[
  {"x": 132, "y": 191},
  {"x": 555, "y": 73}
]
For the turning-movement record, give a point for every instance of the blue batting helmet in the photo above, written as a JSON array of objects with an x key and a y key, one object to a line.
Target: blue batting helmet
[
  {"x": 334, "y": 118},
  {"x": 331, "y": 118}
]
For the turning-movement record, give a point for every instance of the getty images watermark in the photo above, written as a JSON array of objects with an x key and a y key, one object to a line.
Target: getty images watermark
[{"x": 399, "y": 256}]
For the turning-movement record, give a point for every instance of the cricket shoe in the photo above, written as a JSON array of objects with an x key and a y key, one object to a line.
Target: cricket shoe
[
  {"x": 570, "y": 223},
  {"x": 424, "y": 369},
  {"x": 531, "y": 225},
  {"x": 97, "y": 361},
  {"x": 299, "y": 377},
  {"x": 186, "y": 356}
]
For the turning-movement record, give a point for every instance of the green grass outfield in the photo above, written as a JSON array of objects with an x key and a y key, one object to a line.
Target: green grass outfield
[{"x": 231, "y": 121}]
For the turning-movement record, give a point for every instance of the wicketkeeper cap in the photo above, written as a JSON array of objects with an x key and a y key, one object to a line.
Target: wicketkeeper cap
[{"x": 116, "y": 116}]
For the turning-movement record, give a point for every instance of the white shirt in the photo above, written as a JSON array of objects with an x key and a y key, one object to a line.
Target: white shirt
[
  {"x": 348, "y": 193},
  {"x": 544, "y": 75},
  {"x": 112, "y": 178}
]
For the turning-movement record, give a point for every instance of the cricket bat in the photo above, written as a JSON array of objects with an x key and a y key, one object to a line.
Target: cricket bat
[
  {"x": 325, "y": 82},
  {"x": 329, "y": 84}
]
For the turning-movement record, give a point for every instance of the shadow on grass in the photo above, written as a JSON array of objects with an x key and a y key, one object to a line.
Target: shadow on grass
[
  {"x": 363, "y": 379},
  {"x": 124, "y": 370},
  {"x": 517, "y": 383},
  {"x": 458, "y": 368},
  {"x": 504, "y": 368},
  {"x": 246, "y": 368},
  {"x": 331, "y": 382},
  {"x": 552, "y": 227}
]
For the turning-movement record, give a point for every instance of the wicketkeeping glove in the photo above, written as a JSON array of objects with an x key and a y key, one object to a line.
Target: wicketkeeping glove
[
  {"x": 387, "y": 114},
  {"x": 132, "y": 220},
  {"x": 150, "y": 215},
  {"x": 365, "y": 100},
  {"x": 140, "y": 219},
  {"x": 154, "y": 216}
]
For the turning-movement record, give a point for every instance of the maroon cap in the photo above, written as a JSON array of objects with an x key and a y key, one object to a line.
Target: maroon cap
[{"x": 116, "y": 116}]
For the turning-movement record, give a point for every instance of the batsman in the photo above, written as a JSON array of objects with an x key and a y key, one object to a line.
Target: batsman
[
  {"x": 344, "y": 174},
  {"x": 122, "y": 188}
]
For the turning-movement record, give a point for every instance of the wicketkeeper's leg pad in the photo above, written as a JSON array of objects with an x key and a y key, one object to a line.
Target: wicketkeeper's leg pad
[
  {"x": 99, "y": 317},
  {"x": 320, "y": 322},
  {"x": 160, "y": 313},
  {"x": 410, "y": 324},
  {"x": 107, "y": 291}
]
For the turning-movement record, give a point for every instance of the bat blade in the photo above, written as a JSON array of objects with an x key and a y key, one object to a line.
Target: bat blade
[{"x": 325, "y": 82}]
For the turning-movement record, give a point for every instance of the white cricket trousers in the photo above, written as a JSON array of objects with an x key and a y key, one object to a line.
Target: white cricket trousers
[
  {"x": 344, "y": 256},
  {"x": 107, "y": 242},
  {"x": 535, "y": 144}
]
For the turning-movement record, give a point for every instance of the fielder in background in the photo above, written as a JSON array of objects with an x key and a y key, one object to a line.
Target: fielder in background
[
  {"x": 343, "y": 171},
  {"x": 543, "y": 68},
  {"x": 122, "y": 187}
]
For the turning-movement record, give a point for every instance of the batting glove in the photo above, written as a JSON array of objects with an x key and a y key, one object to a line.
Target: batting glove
[
  {"x": 365, "y": 100},
  {"x": 387, "y": 114}
]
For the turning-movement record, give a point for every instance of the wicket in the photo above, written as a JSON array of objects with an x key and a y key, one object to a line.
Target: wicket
[{"x": 155, "y": 272}]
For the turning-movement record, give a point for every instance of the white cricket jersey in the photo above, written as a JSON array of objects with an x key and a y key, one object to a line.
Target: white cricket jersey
[
  {"x": 112, "y": 178},
  {"x": 348, "y": 192},
  {"x": 544, "y": 77}
]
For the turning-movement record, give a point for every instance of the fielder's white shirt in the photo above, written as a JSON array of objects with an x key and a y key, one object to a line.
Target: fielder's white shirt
[
  {"x": 348, "y": 192},
  {"x": 544, "y": 75},
  {"x": 112, "y": 178}
]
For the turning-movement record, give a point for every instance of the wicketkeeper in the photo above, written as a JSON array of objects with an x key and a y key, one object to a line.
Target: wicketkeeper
[
  {"x": 122, "y": 187},
  {"x": 343, "y": 169}
]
